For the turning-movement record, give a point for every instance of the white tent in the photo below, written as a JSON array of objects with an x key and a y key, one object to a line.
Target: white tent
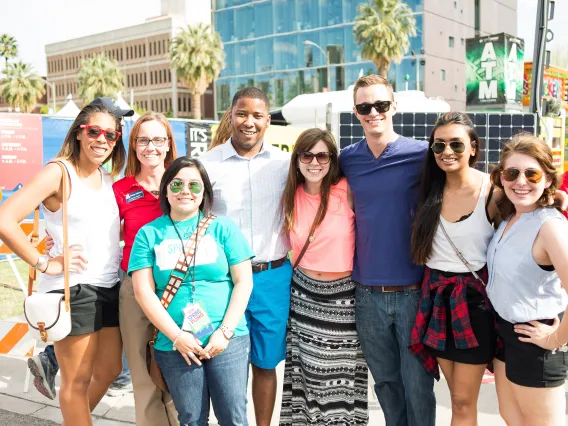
[
  {"x": 310, "y": 109},
  {"x": 69, "y": 110},
  {"x": 124, "y": 105}
]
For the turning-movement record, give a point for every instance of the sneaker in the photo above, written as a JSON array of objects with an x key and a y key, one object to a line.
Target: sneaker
[
  {"x": 119, "y": 389},
  {"x": 44, "y": 375}
]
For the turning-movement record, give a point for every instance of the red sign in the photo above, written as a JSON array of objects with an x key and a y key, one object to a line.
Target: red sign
[{"x": 21, "y": 149}]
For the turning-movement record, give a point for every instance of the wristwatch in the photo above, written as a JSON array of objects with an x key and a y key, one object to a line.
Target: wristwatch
[
  {"x": 227, "y": 332},
  {"x": 42, "y": 262}
]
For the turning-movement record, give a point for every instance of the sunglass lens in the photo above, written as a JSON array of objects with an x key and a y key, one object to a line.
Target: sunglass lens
[
  {"x": 111, "y": 136},
  {"x": 306, "y": 157},
  {"x": 533, "y": 175},
  {"x": 457, "y": 147},
  {"x": 382, "y": 106},
  {"x": 323, "y": 157},
  {"x": 93, "y": 132},
  {"x": 196, "y": 187},
  {"x": 510, "y": 174},
  {"x": 364, "y": 108},
  {"x": 176, "y": 186},
  {"x": 438, "y": 147}
]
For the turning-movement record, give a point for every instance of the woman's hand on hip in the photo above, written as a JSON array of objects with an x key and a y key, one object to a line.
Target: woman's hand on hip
[
  {"x": 217, "y": 344},
  {"x": 189, "y": 347},
  {"x": 538, "y": 333},
  {"x": 77, "y": 262}
]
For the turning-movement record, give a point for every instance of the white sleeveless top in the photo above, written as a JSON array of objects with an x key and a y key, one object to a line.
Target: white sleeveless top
[
  {"x": 94, "y": 224},
  {"x": 471, "y": 236}
]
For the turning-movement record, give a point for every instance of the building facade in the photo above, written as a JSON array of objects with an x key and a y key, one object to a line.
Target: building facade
[
  {"x": 142, "y": 54},
  {"x": 270, "y": 44}
]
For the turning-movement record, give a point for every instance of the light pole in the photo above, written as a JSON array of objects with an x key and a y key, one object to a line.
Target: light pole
[
  {"x": 326, "y": 55},
  {"x": 52, "y": 92}
]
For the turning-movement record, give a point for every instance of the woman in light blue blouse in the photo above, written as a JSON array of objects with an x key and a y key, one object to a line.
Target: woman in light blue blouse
[{"x": 203, "y": 345}]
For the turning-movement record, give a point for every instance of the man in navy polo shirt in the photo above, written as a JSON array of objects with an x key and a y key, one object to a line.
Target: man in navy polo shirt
[{"x": 383, "y": 171}]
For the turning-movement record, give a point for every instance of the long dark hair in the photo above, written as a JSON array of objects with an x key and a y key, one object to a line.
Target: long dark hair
[
  {"x": 527, "y": 144},
  {"x": 306, "y": 141},
  {"x": 171, "y": 172},
  {"x": 432, "y": 189}
]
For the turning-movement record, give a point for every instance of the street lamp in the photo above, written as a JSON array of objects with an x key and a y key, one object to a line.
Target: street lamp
[
  {"x": 326, "y": 55},
  {"x": 52, "y": 92}
]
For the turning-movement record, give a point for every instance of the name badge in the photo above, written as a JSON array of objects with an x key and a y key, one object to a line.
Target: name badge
[
  {"x": 133, "y": 196},
  {"x": 196, "y": 320}
]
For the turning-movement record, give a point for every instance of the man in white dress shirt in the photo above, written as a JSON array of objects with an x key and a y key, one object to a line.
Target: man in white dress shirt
[{"x": 248, "y": 178}]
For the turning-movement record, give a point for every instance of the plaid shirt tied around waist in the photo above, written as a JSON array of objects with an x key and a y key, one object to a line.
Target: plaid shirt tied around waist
[{"x": 430, "y": 325}]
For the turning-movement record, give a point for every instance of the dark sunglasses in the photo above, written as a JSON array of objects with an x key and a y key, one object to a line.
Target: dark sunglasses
[
  {"x": 157, "y": 141},
  {"x": 321, "y": 157},
  {"x": 456, "y": 146},
  {"x": 176, "y": 186},
  {"x": 512, "y": 173},
  {"x": 95, "y": 131},
  {"x": 380, "y": 106}
]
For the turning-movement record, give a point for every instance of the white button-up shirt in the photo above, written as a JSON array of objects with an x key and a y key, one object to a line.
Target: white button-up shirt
[{"x": 248, "y": 191}]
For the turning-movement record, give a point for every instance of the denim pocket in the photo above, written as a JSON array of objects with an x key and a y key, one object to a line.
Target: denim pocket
[
  {"x": 362, "y": 293},
  {"x": 415, "y": 296}
]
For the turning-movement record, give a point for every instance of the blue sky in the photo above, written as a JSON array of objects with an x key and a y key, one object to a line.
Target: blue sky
[{"x": 36, "y": 23}]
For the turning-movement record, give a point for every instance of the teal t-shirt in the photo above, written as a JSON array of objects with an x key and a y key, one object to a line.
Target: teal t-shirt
[{"x": 158, "y": 246}]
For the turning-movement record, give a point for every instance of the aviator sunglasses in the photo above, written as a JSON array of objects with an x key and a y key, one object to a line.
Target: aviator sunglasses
[
  {"x": 380, "y": 107},
  {"x": 512, "y": 173},
  {"x": 321, "y": 157},
  {"x": 95, "y": 131},
  {"x": 176, "y": 186},
  {"x": 456, "y": 146}
]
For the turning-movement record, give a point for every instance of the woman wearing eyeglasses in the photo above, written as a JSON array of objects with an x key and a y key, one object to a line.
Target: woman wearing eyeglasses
[
  {"x": 455, "y": 325},
  {"x": 528, "y": 278},
  {"x": 325, "y": 377},
  {"x": 90, "y": 357},
  {"x": 151, "y": 148},
  {"x": 203, "y": 345}
]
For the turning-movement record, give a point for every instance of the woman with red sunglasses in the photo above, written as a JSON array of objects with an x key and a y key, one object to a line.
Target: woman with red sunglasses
[
  {"x": 90, "y": 356},
  {"x": 528, "y": 280}
]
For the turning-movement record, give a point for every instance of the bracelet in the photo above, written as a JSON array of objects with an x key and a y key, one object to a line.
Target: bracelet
[
  {"x": 178, "y": 335},
  {"x": 46, "y": 266}
]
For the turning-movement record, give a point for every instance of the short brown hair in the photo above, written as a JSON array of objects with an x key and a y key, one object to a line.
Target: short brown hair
[
  {"x": 527, "y": 144},
  {"x": 133, "y": 164},
  {"x": 371, "y": 80}
]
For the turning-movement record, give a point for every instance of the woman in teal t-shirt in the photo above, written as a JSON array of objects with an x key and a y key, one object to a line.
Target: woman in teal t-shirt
[{"x": 203, "y": 345}]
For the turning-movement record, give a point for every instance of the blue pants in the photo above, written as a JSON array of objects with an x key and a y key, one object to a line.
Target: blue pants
[
  {"x": 384, "y": 323},
  {"x": 223, "y": 380}
]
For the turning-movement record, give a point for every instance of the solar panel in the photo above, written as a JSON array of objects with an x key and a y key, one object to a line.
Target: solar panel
[{"x": 494, "y": 129}]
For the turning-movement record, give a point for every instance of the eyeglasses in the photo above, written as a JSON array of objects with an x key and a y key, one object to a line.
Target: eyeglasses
[
  {"x": 512, "y": 174},
  {"x": 380, "y": 106},
  {"x": 176, "y": 186},
  {"x": 156, "y": 141},
  {"x": 456, "y": 146},
  {"x": 95, "y": 131},
  {"x": 321, "y": 157}
]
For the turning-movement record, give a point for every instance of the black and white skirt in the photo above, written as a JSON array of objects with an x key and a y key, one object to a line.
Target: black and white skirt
[{"x": 325, "y": 377}]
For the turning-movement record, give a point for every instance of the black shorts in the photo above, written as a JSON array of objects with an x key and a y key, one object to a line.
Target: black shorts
[
  {"x": 92, "y": 308},
  {"x": 527, "y": 364}
]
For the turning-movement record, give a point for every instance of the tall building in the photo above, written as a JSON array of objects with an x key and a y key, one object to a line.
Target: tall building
[
  {"x": 141, "y": 52},
  {"x": 281, "y": 46}
]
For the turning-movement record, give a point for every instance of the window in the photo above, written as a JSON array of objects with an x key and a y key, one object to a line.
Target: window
[
  {"x": 136, "y": 79},
  {"x": 462, "y": 41},
  {"x": 455, "y": 87},
  {"x": 128, "y": 80},
  {"x": 455, "y": 5},
  {"x": 443, "y": 75},
  {"x": 477, "y": 15},
  {"x": 151, "y": 77},
  {"x": 452, "y": 41}
]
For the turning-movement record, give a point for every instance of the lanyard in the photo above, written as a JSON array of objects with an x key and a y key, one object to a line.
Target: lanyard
[{"x": 185, "y": 255}]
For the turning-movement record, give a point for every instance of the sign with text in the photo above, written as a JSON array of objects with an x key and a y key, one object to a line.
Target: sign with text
[
  {"x": 494, "y": 72},
  {"x": 21, "y": 150}
]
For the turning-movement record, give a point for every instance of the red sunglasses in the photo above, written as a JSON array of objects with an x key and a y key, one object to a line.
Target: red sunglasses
[{"x": 95, "y": 131}]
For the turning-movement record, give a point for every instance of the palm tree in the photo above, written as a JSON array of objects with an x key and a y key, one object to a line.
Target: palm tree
[
  {"x": 384, "y": 28},
  {"x": 8, "y": 47},
  {"x": 99, "y": 76},
  {"x": 21, "y": 87},
  {"x": 198, "y": 58}
]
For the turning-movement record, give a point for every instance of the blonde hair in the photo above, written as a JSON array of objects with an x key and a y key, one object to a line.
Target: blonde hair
[
  {"x": 223, "y": 132},
  {"x": 372, "y": 80}
]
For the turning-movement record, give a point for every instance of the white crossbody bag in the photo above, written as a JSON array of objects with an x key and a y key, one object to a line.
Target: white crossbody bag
[{"x": 49, "y": 314}]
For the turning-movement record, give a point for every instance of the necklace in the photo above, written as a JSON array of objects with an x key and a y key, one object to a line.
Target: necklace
[{"x": 155, "y": 192}]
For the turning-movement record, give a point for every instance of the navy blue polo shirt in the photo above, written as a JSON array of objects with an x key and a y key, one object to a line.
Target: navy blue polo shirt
[{"x": 385, "y": 195}]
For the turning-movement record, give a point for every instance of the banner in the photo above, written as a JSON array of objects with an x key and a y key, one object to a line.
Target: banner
[
  {"x": 494, "y": 72},
  {"x": 554, "y": 84}
]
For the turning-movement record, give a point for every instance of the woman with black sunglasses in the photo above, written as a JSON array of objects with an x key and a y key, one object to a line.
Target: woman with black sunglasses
[
  {"x": 90, "y": 357},
  {"x": 325, "y": 377},
  {"x": 528, "y": 280}
]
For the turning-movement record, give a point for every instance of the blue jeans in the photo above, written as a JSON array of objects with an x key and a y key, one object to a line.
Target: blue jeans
[
  {"x": 223, "y": 380},
  {"x": 384, "y": 323},
  {"x": 124, "y": 377}
]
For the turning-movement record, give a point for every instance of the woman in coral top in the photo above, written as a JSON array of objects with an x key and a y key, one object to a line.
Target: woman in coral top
[
  {"x": 325, "y": 378},
  {"x": 564, "y": 187}
]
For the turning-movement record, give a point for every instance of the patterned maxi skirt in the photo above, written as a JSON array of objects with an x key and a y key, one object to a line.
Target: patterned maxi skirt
[{"x": 325, "y": 377}]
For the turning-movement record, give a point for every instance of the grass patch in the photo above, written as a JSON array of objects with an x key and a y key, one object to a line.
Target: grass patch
[
  {"x": 7, "y": 274},
  {"x": 12, "y": 300}
]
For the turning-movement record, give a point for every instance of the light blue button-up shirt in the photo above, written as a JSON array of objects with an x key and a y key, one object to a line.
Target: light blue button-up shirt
[{"x": 248, "y": 191}]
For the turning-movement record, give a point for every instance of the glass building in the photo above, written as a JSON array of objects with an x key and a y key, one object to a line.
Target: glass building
[{"x": 270, "y": 44}]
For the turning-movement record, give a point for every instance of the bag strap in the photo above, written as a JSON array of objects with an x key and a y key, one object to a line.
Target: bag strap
[
  {"x": 32, "y": 275},
  {"x": 304, "y": 249},
  {"x": 181, "y": 267},
  {"x": 461, "y": 256}
]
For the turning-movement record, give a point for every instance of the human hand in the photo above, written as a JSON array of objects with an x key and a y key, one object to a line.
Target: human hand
[
  {"x": 77, "y": 262},
  {"x": 48, "y": 243},
  {"x": 538, "y": 333},
  {"x": 189, "y": 347},
  {"x": 560, "y": 198},
  {"x": 217, "y": 344}
]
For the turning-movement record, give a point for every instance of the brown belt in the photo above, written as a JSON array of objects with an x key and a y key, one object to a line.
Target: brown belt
[
  {"x": 265, "y": 266},
  {"x": 395, "y": 288}
]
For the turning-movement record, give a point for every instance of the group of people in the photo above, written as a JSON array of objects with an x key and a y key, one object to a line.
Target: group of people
[{"x": 404, "y": 259}]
